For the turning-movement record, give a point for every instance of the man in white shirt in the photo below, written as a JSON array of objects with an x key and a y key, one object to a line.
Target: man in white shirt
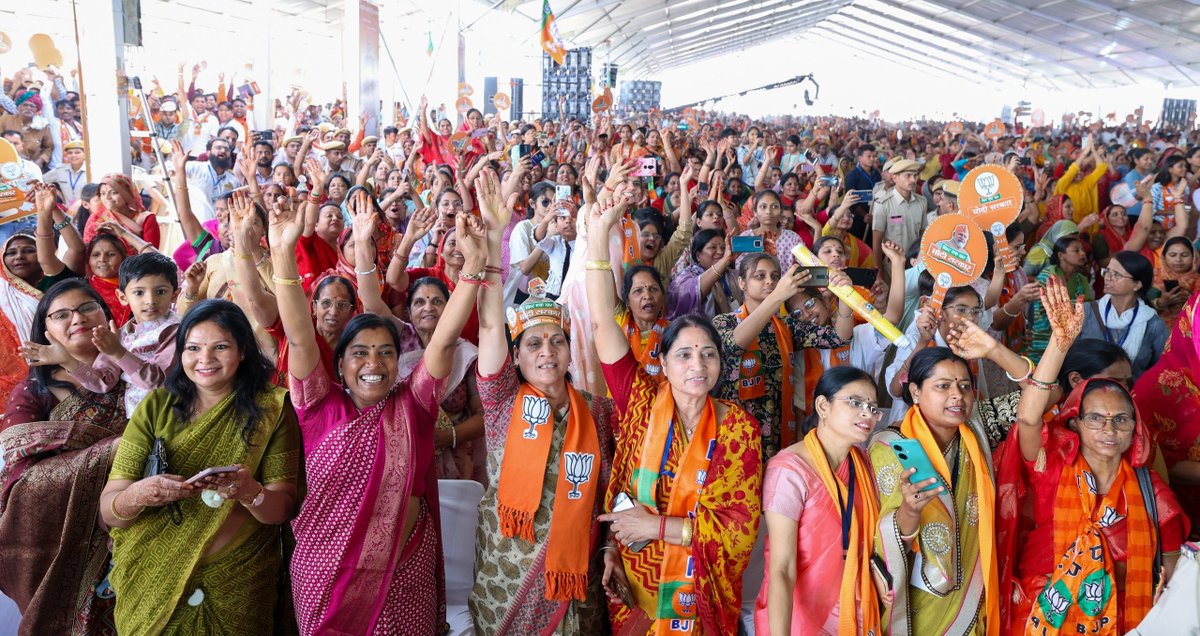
[
  {"x": 199, "y": 126},
  {"x": 70, "y": 176},
  {"x": 211, "y": 179}
]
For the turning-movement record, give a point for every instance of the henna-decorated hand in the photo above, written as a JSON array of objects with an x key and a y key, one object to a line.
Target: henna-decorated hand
[{"x": 1066, "y": 317}]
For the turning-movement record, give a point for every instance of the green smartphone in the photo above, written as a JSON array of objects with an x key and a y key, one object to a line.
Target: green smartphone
[{"x": 912, "y": 455}]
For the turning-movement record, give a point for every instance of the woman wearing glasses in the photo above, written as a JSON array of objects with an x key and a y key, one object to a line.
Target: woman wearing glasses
[
  {"x": 58, "y": 440},
  {"x": 759, "y": 345},
  {"x": 817, "y": 494},
  {"x": 946, "y": 520},
  {"x": 1084, "y": 559},
  {"x": 1123, "y": 316}
]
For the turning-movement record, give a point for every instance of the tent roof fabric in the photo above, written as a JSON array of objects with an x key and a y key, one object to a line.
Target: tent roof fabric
[{"x": 1052, "y": 44}]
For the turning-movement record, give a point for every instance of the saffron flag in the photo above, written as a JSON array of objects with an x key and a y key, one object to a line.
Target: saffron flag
[{"x": 552, "y": 43}]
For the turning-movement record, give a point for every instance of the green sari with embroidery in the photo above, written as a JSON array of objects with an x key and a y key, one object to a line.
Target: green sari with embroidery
[{"x": 164, "y": 580}]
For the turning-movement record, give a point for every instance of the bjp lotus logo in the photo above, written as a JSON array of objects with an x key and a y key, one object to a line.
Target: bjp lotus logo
[
  {"x": 687, "y": 603},
  {"x": 579, "y": 471},
  {"x": 536, "y": 411}
]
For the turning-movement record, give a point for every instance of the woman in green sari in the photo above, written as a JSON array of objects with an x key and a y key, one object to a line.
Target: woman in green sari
[{"x": 206, "y": 564}]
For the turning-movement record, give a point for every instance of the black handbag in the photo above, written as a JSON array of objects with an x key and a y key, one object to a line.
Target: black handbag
[{"x": 156, "y": 464}]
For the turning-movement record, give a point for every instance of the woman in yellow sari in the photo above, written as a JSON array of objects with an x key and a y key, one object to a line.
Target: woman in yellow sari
[
  {"x": 685, "y": 489},
  {"x": 943, "y": 527},
  {"x": 208, "y": 564}
]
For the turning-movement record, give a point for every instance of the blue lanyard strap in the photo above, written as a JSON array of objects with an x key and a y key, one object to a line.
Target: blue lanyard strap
[
  {"x": 1108, "y": 334},
  {"x": 847, "y": 510}
]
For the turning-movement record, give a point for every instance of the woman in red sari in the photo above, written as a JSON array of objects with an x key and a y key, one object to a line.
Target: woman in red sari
[
  {"x": 122, "y": 205},
  {"x": 1082, "y": 559},
  {"x": 1169, "y": 398},
  {"x": 368, "y": 553},
  {"x": 690, "y": 466},
  {"x": 1114, "y": 233}
]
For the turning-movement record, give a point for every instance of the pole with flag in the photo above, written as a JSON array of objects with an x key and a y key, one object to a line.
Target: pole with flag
[{"x": 552, "y": 43}]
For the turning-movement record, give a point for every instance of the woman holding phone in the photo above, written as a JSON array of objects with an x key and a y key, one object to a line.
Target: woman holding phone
[
  {"x": 819, "y": 493},
  {"x": 952, "y": 512},
  {"x": 760, "y": 346},
  {"x": 691, "y": 465},
  {"x": 210, "y": 563}
]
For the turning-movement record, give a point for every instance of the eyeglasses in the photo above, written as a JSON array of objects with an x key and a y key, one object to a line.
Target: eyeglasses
[
  {"x": 865, "y": 407},
  {"x": 457, "y": 205},
  {"x": 963, "y": 311},
  {"x": 1112, "y": 273},
  {"x": 341, "y": 305},
  {"x": 1120, "y": 422},
  {"x": 86, "y": 309},
  {"x": 809, "y": 304}
]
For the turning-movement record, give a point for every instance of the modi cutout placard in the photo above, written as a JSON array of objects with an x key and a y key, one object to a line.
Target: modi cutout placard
[
  {"x": 14, "y": 185},
  {"x": 993, "y": 196},
  {"x": 954, "y": 252}
]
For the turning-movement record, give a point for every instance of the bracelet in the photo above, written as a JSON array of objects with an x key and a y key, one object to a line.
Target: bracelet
[
  {"x": 453, "y": 437},
  {"x": 471, "y": 278},
  {"x": 598, "y": 265},
  {"x": 686, "y": 535},
  {"x": 492, "y": 269},
  {"x": 374, "y": 268},
  {"x": 1028, "y": 374},
  {"x": 244, "y": 257},
  {"x": 313, "y": 199},
  {"x": 1038, "y": 384},
  {"x": 1004, "y": 308},
  {"x": 58, "y": 227},
  {"x": 43, "y": 236},
  {"x": 112, "y": 506},
  {"x": 662, "y": 527},
  {"x": 910, "y": 537},
  {"x": 608, "y": 547},
  {"x": 256, "y": 501},
  {"x": 291, "y": 282}
]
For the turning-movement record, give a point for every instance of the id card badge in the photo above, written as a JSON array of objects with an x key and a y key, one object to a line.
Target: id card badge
[{"x": 896, "y": 220}]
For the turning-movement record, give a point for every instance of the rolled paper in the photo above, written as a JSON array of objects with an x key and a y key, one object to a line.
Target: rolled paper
[{"x": 855, "y": 301}]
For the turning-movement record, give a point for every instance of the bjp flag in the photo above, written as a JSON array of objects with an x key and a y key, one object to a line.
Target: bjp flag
[{"x": 552, "y": 43}]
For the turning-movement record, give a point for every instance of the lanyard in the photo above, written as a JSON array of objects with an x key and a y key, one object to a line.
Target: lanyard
[
  {"x": 1108, "y": 334},
  {"x": 662, "y": 468},
  {"x": 847, "y": 510},
  {"x": 73, "y": 181}
]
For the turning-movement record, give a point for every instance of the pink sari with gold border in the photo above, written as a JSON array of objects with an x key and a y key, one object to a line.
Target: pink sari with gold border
[{"x": 361, "y": 468}]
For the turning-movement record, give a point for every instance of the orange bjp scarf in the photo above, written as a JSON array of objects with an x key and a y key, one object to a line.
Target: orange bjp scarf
[
  {"x": 526, "y": 452},
  {"x": 1081, "y": 593},
  {"x": 914, "y": 427},
  {"x": 649, "y": 354},
  {"x": 752, "y": 384},
  {"x": 857, "y": 582},
  {"x": 676, "y": 607}
]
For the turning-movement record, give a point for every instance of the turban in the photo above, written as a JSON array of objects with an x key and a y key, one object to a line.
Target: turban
[{"x": 31, "y": 97}]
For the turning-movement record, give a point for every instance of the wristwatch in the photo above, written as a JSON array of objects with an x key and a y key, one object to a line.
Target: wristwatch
[{"x": 258, "y": 499}]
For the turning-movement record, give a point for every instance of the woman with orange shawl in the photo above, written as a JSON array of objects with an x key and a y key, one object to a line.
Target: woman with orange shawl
[
  {"x": 1175, "y": 274},
  {"x": 1085, "y": 556},
  {"x": 686, "y": 481},
  {"x": 123, "y": 206},
  {"x": 936, "y": 536},
  {"x": 818, "y": 495},
  {"x": 1168, "y": 397}
]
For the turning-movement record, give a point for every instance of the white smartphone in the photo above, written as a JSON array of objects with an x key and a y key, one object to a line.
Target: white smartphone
[
  {"x": 209, "y": 472},
  {"x": 624, "y": 502}
]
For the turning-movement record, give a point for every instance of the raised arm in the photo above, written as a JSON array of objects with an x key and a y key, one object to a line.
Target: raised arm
[
  {"x": 192, "y": 229},
  {"x": 493, "y": 344},
  {"x": 472, "y": 241},
  {"x": 751, "y": 326},
  {"x": 611, "y": 344},
  {"x": 283, "y": 233},
  {"x": 1066, "y": 321},
  {"x": 44, "y": 234},
  {"x": 895, "y": 306},
  {"x": 370, "y": 290},
  {"x": 247, "y": 287},
  {"x": 418, "y": 226}
]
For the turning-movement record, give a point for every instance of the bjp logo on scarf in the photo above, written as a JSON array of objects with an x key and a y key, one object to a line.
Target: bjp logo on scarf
[
  {"x": 536, "y": 411},
  {"x": 579, "y": 471}
]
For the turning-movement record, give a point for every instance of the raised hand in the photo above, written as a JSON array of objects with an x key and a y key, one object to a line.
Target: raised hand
[
  {"x": 192, "y": 277},
  {"x": 178, "y": 157},
  {"x": 106, "y": 340},
  {"x": 364, "y": 224},
  {"x": 45, "y": 355},
  {"x": 495, "y": 213},
  {"x": 1066, "y": 317},
  {"x": 284, "y": 225},
  {"x": 893, "y": 252},
  {"x": 43, "y": 199},
  {"x": 968, "y": 340},
  {"x": 472, "y": 237},
  {"x": 423, "y": 220},
  {"x": 789, "y": 284}
]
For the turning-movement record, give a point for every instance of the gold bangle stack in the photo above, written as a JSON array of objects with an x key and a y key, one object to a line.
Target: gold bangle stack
[
  {"x": 598, "y": 265},
  {"x": 291, "y": 282},
  {"x": 685, "y": 537}
]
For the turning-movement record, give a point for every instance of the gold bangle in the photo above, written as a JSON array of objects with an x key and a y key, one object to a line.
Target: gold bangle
[
  {"x": 245, "y": 257},
  {"x": 598, "y": 265},
  {"x": 290, "y": 282},
  {"x": 112, "y": 506},
  {"x": 685, "y": 538}
]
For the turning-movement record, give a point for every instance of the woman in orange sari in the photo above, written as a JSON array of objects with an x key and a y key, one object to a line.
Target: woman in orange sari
[
  {"x": 1088, "y": 559},
  {"x": 123, "y": 206},
  {"x": 685, "y": 489}
]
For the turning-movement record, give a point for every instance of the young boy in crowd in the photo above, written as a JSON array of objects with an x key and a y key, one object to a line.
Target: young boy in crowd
[{"x": 141, "y": 351}]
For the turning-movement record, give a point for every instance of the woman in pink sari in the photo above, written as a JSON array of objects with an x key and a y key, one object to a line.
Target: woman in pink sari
[{"x": 368, "y": 555}]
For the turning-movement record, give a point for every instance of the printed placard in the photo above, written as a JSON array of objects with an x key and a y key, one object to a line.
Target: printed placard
[
  {"x": 465, "y": 90},
  {"x": 954, "y": 128},
  {"x": 501, "y": 101},
  {"x": 13, "y": 185},
  {"x": 993, "y": 196},
  {"x": 994, "y": 130},
  {"x": 460, "y": 139},
  {"x": 463, "y": 104},
  {"x": 954, "y": 252}
]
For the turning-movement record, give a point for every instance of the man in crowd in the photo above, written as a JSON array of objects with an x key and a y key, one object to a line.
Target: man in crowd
[
  {"x": 199, "y": 126},
  {"x": 38, "y": 143},
  {"x": 899, "y": 216},
  {"x": 264, "y": 156},
  {"x": 70, "y": 176},
  {"x": 209, "y": 180},
  {"x": 864, "y": 176},
  {"x": 168, "y": 127}
]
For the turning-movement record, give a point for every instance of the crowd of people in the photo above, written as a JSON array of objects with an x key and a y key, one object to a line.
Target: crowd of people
[{"x": 676, "y": 425}]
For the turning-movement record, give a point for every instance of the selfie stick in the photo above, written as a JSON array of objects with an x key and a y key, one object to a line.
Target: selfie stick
[
  {"x": 855, "y": 301},
  {"x": 154, "y": 139}
]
